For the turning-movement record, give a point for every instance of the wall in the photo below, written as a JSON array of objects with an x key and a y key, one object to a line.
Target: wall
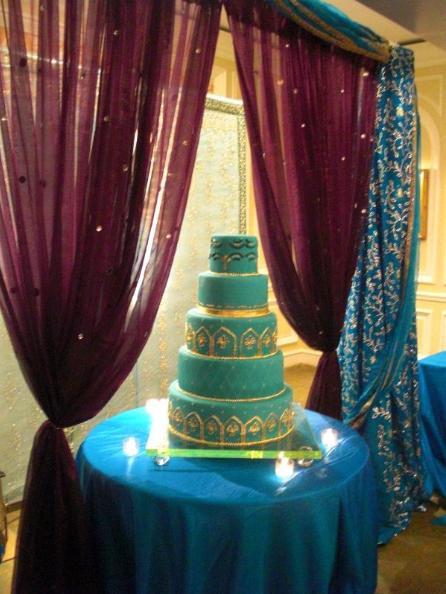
[{"x": 431, "y": 292}]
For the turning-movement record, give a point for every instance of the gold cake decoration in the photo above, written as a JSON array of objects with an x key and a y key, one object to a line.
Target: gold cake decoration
[
  {"x": 193, "y": 421},
  {"x": 233, "y": 313},
  {"x": 226, "y": 444},
  {"x": 254, "y": 426},
  {"x": 190, "y": 337},
  {"x": 220, "y": 274},
  {"x": 203, "y": 338},
  {"x": 234, "y": 428},
  {"x": 202, "y": 342},
  {"x": 222, "y": 338},
  {"x": 222, "y": 341},
  {"x": 250, "y": 342},
  {"x": 271, "y": 422},
  {"x": 211, "y": 427},
  {"x": 274, "y": 337},
  {"x": 218, "y": 399}
]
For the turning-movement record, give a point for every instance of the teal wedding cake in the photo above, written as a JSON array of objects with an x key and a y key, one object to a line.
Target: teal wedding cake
[{"x": 230, "y": 390}]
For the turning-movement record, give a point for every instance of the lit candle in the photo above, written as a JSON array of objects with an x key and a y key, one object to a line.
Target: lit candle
[
  {"x": 329, "y": 438},
  {"x": 130, "y": 447},
  {"x": 284, "y": 467},
  {"x": 157, "y": 410},
  {"x": 150, "y": 405}
]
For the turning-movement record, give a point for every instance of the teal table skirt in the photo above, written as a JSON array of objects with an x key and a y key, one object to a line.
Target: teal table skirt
[
  {"x": 201, "y": 526},
  {"x": 433, "y": 421}
]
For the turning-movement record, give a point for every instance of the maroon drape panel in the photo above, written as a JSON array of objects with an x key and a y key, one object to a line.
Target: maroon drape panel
[
  {"x": 100, "y": 110},
  {"x": 310, "y": 111}
]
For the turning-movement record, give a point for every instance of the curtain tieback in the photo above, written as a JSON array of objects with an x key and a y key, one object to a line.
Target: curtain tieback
[
  {"x": 330, "y": 353},
  {"x": 48, "y": 425}
]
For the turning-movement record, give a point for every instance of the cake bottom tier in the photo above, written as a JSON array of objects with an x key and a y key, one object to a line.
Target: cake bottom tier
[{"x": 230, "y": 422}]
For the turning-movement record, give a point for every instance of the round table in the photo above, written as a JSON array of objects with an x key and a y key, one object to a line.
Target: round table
[
  {"x": 204, "y": 526},
  {"x": 433, "y": 421}
]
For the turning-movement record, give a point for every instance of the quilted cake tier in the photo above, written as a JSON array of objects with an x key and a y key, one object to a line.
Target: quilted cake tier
[
  {"x": 233, "y": 292},
  {"x": 230, "y": 378}
]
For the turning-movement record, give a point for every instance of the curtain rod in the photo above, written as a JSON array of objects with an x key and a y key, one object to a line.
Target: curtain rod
[{"x": 412, "y": 41}]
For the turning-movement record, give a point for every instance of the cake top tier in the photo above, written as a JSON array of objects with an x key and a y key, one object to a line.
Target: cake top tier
[{"x": 233, "y": 254}]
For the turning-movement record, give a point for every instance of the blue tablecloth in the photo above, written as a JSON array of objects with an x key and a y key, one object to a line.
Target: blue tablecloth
[
  {"x": 200, "y": 526},
  {"x": 433, "y": 420}
]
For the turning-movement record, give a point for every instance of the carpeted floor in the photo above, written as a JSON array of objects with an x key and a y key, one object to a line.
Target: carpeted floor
[
  {"x": 8, "y": 560},
  {"x": 415, "y": 561},
  {"x": 412, "y": 563}
]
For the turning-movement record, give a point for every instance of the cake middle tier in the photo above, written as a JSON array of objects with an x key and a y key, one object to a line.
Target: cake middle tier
[
  {"x": 230, "y": 378},
  {"x": 223, "y": 336},
  {"x": 221, "y": 291}
]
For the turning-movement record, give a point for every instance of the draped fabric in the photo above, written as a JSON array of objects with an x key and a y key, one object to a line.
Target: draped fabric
[
  {"x": 432, "y": 372},
  {"x": 100, "y": 110},
  {"x": 332, "y": 25},
  {"x": 310, "y": 111},
  {"x": 378, "y": 352}
]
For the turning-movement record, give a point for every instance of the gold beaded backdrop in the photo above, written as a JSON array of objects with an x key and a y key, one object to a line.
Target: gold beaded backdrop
[{"x": 217, "y": 204}]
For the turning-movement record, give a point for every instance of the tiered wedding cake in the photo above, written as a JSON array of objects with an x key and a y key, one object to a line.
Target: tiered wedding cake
[{"x": 230, "y": 388}]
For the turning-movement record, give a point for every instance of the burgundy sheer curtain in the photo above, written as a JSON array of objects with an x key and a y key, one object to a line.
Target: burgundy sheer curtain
[
  {"x": 310, "y": 112},
  {"x": 100, "y": 110}
]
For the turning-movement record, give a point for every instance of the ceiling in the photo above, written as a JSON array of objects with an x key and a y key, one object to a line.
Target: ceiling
[
  {"x": 426, "y": 18},
  {"x": 404, "y": 21}
]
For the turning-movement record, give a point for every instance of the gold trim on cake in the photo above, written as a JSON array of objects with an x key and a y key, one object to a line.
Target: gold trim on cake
[
  {"x": 233, "y": 273},
  {"x": 229, "y": 443},
  {"x": 234, "y": 313},
  {"x": 218, "y": 399},
  {"x": 222, "y": 338},
  {"x": 220, "y": 357},
  {"x": 266, "y": 339},
  {"x": 203, "y": 338},
  {"x": 272, "y": 421},
  {"x": 248, "y": 340}
]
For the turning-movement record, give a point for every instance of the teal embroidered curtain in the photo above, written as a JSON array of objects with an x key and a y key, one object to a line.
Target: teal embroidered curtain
[
  {"x": 332, "y": 25},
  {"x": 378, "y": 352},
  {"x": 378, "y": 349}
]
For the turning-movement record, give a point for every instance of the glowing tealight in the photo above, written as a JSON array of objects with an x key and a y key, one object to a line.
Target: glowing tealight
[
  {"x": 284, "y": 467},
  {"x": 157, "y": 410},
  {"x": 329, "y": 438},
  {"x": 130, "y": 447}
]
